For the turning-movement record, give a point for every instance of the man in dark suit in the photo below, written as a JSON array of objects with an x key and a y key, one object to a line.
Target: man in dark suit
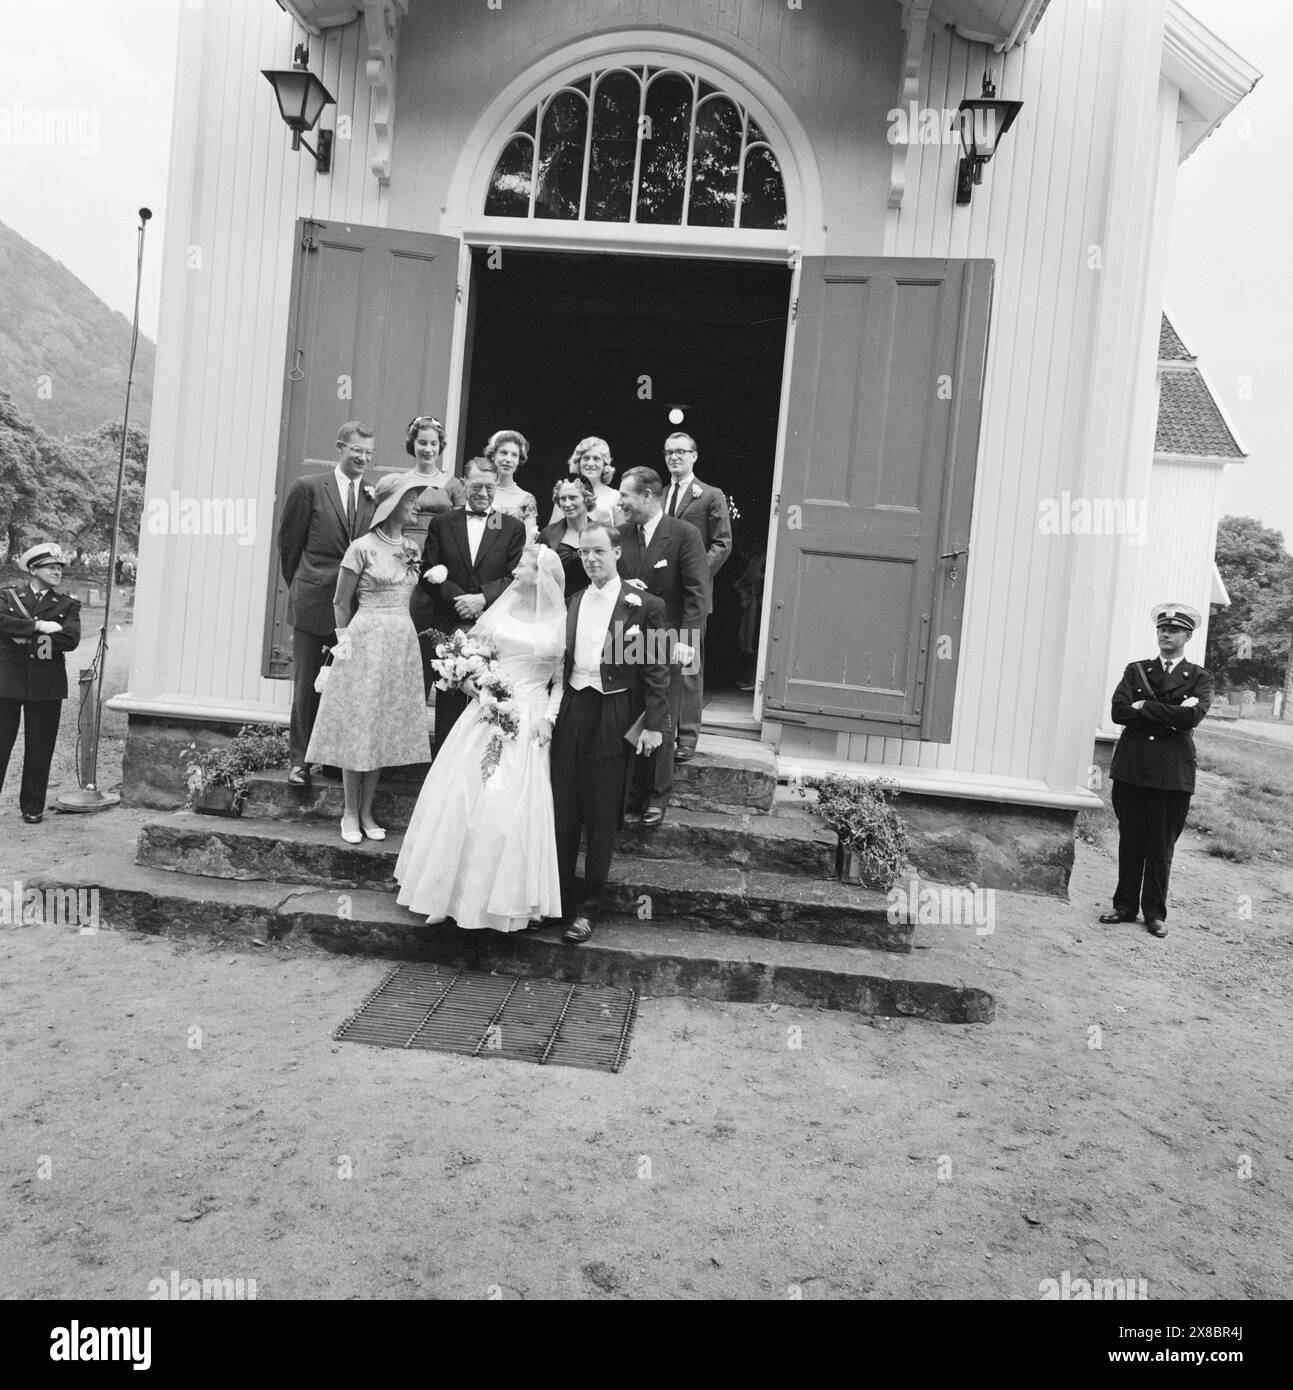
[
  {"x": 1160, "y": 701},
  {"x": 321, "y": 516},
  {"x": 473, "y": 551},
  {"x": 665, "y": 557},
  {"x": 705, "y": 508},
  {"x": 38, "y": 626},
  {"x": 615, "y": 672}
]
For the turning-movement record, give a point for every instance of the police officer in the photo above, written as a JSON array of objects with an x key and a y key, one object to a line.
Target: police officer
[
  {"x": 1159, "y": 701},
  {"x": 37, "y": 626}
]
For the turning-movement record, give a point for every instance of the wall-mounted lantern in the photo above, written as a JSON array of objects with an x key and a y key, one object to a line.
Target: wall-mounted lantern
[
  {"x": 301, "y": 99},
  {"x": 984, "y": 120}
]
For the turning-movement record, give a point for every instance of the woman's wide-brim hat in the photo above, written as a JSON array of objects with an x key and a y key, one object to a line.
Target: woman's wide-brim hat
[
  {"x": 45, "y": 551},
  {"x": 390, "y": 489}
]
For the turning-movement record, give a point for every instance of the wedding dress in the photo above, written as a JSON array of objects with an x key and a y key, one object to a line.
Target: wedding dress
[{"x": 483, "y": 851}]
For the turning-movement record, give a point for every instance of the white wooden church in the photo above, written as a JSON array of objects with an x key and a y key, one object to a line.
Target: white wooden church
[{"x": 912, "y": 362}]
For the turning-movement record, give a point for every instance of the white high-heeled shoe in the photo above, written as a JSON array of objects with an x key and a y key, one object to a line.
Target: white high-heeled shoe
[{"x": 351, "y": 837}]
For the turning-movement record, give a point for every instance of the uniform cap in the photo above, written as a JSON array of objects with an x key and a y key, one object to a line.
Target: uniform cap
[{"x": 1175, "y": 615}]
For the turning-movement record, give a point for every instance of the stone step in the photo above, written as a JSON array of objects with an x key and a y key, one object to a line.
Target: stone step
[
  {"x": 699, "y": 897},
  {"x": 654, "y": 958},
  {"x": 787, "y": 838},
  {"x": 738, "y": 776}
]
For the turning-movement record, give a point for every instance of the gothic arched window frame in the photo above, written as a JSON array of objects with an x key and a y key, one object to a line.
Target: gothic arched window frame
[{"x": 544, "y": 185}]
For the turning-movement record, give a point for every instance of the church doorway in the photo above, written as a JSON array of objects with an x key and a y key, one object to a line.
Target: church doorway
[{"x": 562, "y": 345}]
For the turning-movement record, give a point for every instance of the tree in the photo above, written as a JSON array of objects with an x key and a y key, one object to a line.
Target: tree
[
  {"x": 1249, "y": 640},
  {"x": 95, "y": 455}
]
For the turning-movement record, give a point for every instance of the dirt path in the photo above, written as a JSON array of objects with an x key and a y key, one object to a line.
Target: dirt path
[{"x": 885, "y": 1159}]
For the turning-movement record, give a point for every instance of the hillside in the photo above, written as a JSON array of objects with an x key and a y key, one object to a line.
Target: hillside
[{"x": 52, "y": 325}]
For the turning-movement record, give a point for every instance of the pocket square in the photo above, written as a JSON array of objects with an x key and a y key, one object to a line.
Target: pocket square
[{"x": 660, "y": 564}]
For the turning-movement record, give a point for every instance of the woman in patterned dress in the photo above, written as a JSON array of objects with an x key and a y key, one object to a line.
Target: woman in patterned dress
[{"x": 372, "y": 712}]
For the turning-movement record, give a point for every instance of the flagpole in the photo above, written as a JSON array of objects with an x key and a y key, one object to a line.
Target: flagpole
[{"x": 90, "y": 714}]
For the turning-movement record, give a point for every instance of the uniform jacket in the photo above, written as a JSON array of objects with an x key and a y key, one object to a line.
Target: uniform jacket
[
  {"x": 632, "y": 660},
  {"x": 497, "y": 557},
  {"x": 1156, "y": 748},
  {"x": 33, "y": 665},
  {"x": 674, "y": 568},
  {"x": 708, "y": 514},
  {"x": 312, "y": 539}
]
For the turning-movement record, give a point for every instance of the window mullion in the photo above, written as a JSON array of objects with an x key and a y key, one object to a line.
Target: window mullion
[
  {"x": 691, "y": 151},
  {"x": 637, "y": 158},
  {"x": 588, "y": 144},
  {"x": 740, "y": 166}
]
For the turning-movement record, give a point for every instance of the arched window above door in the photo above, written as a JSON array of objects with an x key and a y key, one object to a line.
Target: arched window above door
[{"x": 646, "y": 145}]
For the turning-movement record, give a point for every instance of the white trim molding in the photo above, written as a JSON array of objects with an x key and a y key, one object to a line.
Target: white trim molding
[
  {"x": 915, "y": 20},
  {"x": 1210, "y": 76}
]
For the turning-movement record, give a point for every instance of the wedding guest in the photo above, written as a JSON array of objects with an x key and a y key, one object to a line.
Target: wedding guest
[
  {"x": 424, "y": 440},
  {"x": 469, "y": 559},
  {"x": 480, "y": 848},
  {"x": 322, "y": 514},
  {"x": 509, "y": 450},
  {"x": 663, "y": 556},
  {"x": 372, "y": 713},
  {"x": 575, "y": 501},
  {"x": 38, "y": 626},
  {"x": 592, "y": 460},
  {"x": 705, "y": 508}
]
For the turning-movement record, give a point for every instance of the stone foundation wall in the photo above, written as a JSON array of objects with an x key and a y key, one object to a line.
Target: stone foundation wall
[
  {"x": 152, "y": 764},
  {"x": 1026, "y": 849}
]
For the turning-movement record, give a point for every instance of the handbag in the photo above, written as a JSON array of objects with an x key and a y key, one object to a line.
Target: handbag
[{"x": 324, "y": 672}]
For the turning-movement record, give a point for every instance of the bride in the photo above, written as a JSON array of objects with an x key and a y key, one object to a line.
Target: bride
[{"x": 483, "y": 851}]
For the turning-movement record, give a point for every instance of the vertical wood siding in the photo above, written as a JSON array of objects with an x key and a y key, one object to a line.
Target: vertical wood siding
[{"x": 1068, "y": 401}]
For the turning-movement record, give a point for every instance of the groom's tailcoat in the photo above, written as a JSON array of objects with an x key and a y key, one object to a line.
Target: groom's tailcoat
[
  {"x": 432, "y": 605},
  {"x": 590, "y": 758}
]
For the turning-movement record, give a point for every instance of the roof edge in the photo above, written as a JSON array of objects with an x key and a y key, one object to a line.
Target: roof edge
[{"x": 1211, "y": 77}]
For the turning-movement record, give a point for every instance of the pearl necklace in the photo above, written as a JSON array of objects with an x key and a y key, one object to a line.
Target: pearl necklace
[{"x": 388, "y": 539}]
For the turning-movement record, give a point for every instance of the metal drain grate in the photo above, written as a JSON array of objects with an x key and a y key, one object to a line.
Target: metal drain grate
[{"x": 528, "y": 1020}]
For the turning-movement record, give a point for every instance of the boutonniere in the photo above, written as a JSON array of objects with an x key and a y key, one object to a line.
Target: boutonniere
[
  {"x": 369, "y": 493},
  {"x": 632, "y": 601},
  {"x": 695, "y": 489},
  {"x": 660, "y": 564}
]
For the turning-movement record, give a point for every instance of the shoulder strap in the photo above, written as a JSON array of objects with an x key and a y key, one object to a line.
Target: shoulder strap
[
  {"x": 13, "y": 594},
  {"x": 1144, "y": 680}
]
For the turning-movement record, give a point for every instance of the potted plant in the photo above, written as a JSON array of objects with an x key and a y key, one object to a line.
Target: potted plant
[
  {"x": 873, "y": 843},
  {"x": 218, "y": 777}
]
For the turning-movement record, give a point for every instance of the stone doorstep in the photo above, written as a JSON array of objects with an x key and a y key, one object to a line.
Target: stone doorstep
[
  {"x": 699, "y": 897},
  {"x": 655, "y": 959}
]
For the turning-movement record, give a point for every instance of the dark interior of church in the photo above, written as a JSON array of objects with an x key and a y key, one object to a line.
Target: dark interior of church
[{"x": 566, "y": 345}]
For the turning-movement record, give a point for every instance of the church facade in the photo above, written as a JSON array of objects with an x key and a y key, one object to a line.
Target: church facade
[{"x": 597, "y": 217}]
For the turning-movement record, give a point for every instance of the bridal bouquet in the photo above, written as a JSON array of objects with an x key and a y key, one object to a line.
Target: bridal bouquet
[{"x": 459, "y": 658}]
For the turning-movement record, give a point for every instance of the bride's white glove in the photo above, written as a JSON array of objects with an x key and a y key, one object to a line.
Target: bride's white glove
[
  {"x": 543, "y": 732},
  {"x": 341, "y": 650}
]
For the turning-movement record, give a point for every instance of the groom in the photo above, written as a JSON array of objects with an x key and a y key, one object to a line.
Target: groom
[{"x": 614, "y": 673}]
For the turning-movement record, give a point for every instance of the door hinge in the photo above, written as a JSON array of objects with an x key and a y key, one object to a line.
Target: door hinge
[
  {"x": 309, "y": 237},
  {"x": 794, "y": 309},
  {"x": 457, "y": 290}
]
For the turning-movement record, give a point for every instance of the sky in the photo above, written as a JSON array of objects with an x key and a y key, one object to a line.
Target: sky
[{"x": 1230, "y": 280}]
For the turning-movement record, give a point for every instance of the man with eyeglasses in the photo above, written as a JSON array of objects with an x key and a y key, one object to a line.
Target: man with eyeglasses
[
  {"x": 478, "y": 550},
  {"x": 38, "y": 627},
  {"x": 321, "y": 516},
  {"x": 705, "y": 508}
]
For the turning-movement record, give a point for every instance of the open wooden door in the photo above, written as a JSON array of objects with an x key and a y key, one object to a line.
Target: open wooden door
[
  {"x": 371, "y": 321},
  {"x": 882, "y": 437}
]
